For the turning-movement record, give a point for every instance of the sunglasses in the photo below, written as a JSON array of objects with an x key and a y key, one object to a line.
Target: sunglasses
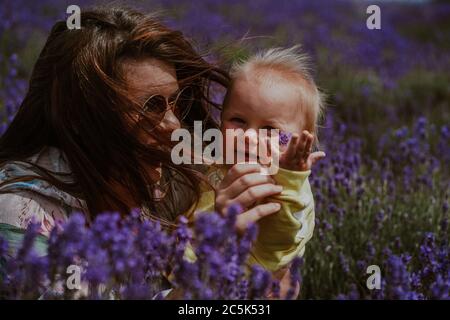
[{"x": 180, "y": 103}]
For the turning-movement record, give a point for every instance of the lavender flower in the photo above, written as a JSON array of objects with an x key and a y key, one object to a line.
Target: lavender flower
[
  {"x": 295, "y": 277},
  {"x": 3, "y": 248},
  {"x": 285, "y": 137},
  {"x": 259, "y": 283}
]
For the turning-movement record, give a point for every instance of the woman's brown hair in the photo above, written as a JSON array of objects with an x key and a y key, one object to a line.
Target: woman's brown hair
[{"x": 79, "y": 102}]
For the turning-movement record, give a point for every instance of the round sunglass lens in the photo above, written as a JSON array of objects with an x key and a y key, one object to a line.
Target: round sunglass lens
[{"x": 156, "y": 104}]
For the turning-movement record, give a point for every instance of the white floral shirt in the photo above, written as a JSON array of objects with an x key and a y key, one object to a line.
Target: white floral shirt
[{"x": 36, "y": 199}]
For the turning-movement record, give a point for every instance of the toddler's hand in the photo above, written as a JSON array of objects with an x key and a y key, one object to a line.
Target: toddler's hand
[{"x": 298, "y": 156}]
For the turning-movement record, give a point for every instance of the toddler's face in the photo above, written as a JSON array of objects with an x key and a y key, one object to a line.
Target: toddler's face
[{"x": 268, "y": 103}]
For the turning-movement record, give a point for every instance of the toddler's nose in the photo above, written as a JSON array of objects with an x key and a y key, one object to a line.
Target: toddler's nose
[{"x": 251, "y": 141}]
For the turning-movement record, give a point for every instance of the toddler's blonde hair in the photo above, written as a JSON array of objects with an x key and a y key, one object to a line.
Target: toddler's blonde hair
[{"x": 296, "y": 67}]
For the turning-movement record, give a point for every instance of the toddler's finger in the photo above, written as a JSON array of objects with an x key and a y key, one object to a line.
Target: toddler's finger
[
  {"x": 308, "y": 145},
  {"x": 316, "y": 156},
  {"x": 292, "y": 147},
  {"x": 301, "y": 145}
]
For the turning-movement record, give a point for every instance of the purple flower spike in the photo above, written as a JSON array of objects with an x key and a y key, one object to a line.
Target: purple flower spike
[
  {"x": 285, "y": 137},
  {"x": 3, "y": 247}
]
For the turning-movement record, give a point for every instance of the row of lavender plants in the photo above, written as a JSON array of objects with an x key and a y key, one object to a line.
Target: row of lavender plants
[{"x": 127, "y": 258}]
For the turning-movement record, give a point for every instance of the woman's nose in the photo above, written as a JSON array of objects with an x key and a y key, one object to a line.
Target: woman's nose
[{"x": 170, "y": 121}]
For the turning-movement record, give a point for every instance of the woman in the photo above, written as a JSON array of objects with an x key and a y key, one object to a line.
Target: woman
[{"x": 90, "y": 135}]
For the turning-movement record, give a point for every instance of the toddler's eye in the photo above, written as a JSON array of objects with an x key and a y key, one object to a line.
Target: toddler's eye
[
  {"x": 268, "y": 127},
  {"x": 238, "y": 121}
]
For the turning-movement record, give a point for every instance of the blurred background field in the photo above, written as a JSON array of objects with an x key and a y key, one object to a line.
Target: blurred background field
[{"x": 382, "y": 192}]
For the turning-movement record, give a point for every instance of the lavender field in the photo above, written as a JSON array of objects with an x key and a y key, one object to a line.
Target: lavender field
[{"x": 382, "y": 192}]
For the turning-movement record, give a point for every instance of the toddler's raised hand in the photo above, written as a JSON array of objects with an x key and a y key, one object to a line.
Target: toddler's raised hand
[{"x": 298, "y": 156}]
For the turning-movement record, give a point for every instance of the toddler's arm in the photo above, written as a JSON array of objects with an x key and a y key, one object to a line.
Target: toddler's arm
[{"x": 282, "y": 236}]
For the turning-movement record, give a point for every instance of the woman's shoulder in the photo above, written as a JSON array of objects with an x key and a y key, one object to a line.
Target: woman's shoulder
[
  {"x": 19, "y": 209},
  {"x": 24, "y": 195}
]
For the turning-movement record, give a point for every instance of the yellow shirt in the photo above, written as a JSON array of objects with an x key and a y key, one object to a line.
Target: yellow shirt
[{"x": 283, "y": 235}]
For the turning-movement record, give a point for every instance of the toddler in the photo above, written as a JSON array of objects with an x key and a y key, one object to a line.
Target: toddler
[{"x": 274, "y": 90}]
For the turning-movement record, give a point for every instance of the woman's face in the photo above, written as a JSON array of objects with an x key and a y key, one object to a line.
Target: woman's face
[{"x": 148, "y": 77}]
